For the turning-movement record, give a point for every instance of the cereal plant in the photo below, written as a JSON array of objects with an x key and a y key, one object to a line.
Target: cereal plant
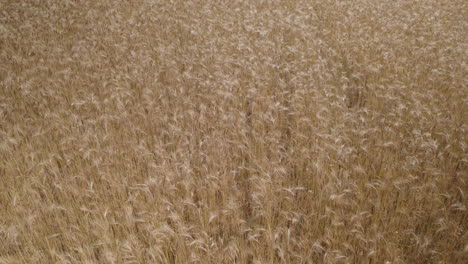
[{"x": 233, "y": 131}]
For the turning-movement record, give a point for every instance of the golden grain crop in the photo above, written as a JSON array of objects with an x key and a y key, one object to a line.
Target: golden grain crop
[{"x": 231, "y": 131}]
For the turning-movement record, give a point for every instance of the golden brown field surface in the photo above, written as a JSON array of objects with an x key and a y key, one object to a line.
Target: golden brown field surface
[{"x": 233, "y": 131}]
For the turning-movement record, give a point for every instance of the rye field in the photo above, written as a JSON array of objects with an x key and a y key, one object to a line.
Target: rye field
[{"x": 230, "y": 131}]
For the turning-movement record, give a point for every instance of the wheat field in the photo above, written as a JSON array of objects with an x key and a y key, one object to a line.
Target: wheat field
[{"x": 233, "y": 131}]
